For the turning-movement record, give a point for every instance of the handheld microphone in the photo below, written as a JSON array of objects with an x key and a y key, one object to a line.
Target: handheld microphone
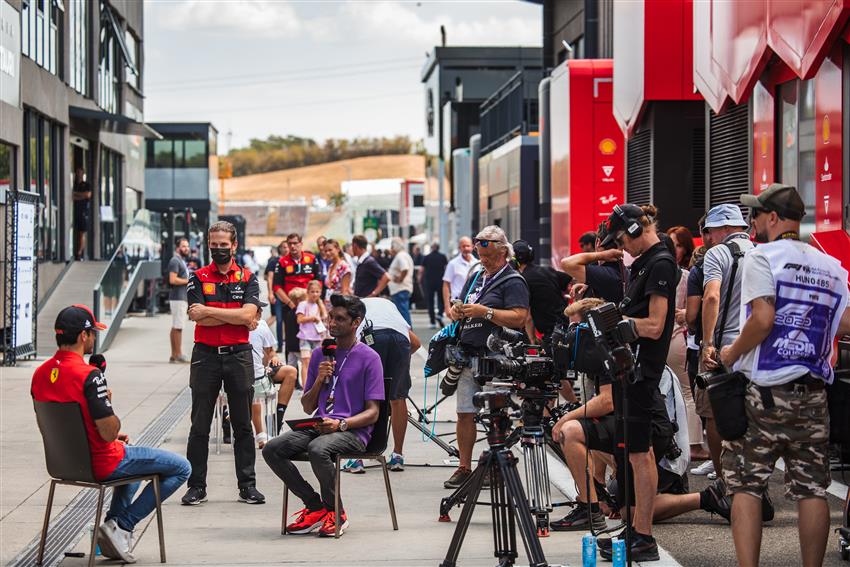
[
  {"x": 99, "y": 362},
  {"x": 329, "y": 348}
]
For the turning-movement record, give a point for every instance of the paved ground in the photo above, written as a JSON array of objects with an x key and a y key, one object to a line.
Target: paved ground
[{"x": 225, "y": 532}]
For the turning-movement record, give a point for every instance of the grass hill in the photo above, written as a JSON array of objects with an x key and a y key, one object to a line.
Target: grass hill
[{"x": 321, "y": 180}]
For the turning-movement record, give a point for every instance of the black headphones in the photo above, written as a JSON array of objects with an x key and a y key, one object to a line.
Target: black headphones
[{"x": 631, "y": 224}]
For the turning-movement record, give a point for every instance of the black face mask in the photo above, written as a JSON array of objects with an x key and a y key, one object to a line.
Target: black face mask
[{"x": 221, "y": 256}]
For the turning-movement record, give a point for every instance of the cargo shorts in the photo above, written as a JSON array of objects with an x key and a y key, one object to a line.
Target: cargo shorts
[{"x": 795, "y": 429}]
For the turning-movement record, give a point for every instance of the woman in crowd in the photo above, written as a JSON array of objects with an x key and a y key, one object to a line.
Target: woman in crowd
[
  {"x": 338, "y": 279},
  {"x": 683, "y": 243}
]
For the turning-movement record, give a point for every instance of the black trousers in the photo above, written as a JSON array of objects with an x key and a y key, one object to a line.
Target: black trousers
[
  {"x": 290, "y": 326},
  {"x": 207, "y": 373},
  {"x": 430, "y": 292}
]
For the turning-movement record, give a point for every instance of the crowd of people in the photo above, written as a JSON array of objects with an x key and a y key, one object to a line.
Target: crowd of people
[{"x": 732, "y": 356}]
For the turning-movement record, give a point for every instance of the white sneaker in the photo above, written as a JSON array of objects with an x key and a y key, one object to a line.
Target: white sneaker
[
  {"x": 704, "y": 469},
  {"x": 711, "y": 476},
  {"x": 120, "y": 541}
]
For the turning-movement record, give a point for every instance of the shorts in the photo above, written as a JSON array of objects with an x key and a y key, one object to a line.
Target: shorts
[
  {"x": 642, "y": 401},
  {"x": 81, "y": 219},
  {"x": 599, "y": 433},
  {"x": 179, "y": 309},
  {"x": 394, "y": 350},
  {"x": 263, "y": 387},
  {"x": 702, "y": 403},
  {"x": 467, "y": 387},
  {"x": 307, "y": 347},
  {"x": 796, "y": 429}
]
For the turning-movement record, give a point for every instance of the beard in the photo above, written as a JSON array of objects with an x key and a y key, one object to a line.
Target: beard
[{"x": 761, "y": 237}]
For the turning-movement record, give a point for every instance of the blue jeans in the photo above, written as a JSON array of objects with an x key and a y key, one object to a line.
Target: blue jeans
[
  {"x": 173, "y": 471},
  {"x": 402, "y": 301},
  {"x": 277, "y": 311}
]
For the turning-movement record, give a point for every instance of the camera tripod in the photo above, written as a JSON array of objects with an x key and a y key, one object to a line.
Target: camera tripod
[
  {"x": 420, "y": 425},
  {"x": 507, "y": 497}
]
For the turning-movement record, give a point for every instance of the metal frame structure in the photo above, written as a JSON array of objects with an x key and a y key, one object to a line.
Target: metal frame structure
[{"x": 11, "y": 353}]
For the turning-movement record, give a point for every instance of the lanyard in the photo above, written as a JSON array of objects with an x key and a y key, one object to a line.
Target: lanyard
[
  {"x": 486, "y": 281},
  {"x": 337, "y": 371},
  {"x": 789, "y": 235}
]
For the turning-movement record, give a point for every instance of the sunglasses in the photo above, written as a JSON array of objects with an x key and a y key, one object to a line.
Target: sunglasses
[{"x": 483, "y": 242}]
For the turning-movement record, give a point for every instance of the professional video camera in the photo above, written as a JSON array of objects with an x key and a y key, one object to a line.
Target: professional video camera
[
  {"x": 512, "y": 359},
  {"x": 598, "y": 347}
]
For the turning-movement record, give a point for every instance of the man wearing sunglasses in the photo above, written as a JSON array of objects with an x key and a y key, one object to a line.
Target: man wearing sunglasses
[{"x": 493, "y": 296}]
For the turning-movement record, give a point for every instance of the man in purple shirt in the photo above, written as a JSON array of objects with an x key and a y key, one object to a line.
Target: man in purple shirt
[{"x": 345, "y": 392}]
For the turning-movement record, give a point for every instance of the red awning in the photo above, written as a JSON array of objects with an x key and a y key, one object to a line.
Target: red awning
[
  {"x": 733, "y": 41},
  {"x": 836, "y": 243}
]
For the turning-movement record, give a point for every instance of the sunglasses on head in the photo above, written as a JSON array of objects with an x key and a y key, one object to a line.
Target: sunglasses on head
[{"x": 483, "y": 242}]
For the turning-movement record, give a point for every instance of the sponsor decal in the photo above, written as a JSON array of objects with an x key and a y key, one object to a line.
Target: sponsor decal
[
  {"x": 209, "y": 289},
  {"x": 607, "y": 147},
  {"x": 238, "y": 276},
  {"x": 54, "y": 375},
  {"x": 290, "y": 269},
  {"x": 825, "y": 129}
]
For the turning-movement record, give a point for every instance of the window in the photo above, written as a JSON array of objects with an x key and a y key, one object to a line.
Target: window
[
  {"x": 7, "y": 169},
  {"x": 132, "y": 69},
  {"x": 160, "y": 154},
  {"x": 796, "y": 123},
  {"x": 111, "y": 211},
  {"x": 107, "y": 75},
  {"x": 177, "y": 154},
  {"x": 194, "y": 153},
  {"x": 132, "y": 204},
  {"x": 42, "y": 159},
  {"x": 41, "y": 33},
  {"x": 78, "y": 20}
]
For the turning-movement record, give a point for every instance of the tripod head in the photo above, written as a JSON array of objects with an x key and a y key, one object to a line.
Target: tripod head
[{"x": 496, "y": 415}]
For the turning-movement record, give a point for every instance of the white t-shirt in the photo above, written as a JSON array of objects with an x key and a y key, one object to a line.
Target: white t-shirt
[
  {"x": 261, "y": 338},
  {"x": 401, "y": 261},
  {"x": 384, "y": 315},
  {"x": 456, "y": 273}
]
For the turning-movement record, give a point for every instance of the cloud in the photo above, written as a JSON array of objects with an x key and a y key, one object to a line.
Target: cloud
[{"x": 268, "y": 18}]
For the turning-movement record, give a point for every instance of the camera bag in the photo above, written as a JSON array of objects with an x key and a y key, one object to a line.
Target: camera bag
[
  {"x": 448, "y": 335},
  {"x": 727, "y": 394}
]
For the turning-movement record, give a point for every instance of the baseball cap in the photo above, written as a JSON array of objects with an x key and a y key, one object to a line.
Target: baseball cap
[
  {"x": 618, "y": 221},
  {"x": 724, "y": 215},
  {"x": 523, "y": 251},
  {"x": 784, "y": 200},
  {"x": 76, "y": 318}
]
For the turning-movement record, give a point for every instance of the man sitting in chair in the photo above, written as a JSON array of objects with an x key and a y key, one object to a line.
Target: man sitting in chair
[
  {"x": 345, "y": 392},
  {"x": 68, "y": 378}
]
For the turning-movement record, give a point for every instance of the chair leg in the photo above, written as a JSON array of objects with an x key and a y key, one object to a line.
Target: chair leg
[
  {"x": 336, "y": 499},
  {"x": 285, "y": 509},
  {"x": 43, "y": 540},
  {"x": 159, "y": 525},
  {"x": 97, "y": 514},
  {"x": 389, "y": 491}
]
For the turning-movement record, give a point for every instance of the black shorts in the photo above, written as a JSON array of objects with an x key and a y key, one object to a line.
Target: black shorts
[
  {"x": 599, "y": 433},
  {"x": 81, "y": 219},
  {"x": 642, "y": 398},
  {"x": 394, "y": 350}
]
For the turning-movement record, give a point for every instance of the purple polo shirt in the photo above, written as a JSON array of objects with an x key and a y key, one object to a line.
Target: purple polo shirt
[{"x": 361, "y": 378}]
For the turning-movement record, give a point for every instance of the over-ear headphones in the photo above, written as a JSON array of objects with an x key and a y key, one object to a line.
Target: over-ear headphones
[{"x": 631, "y": 222}]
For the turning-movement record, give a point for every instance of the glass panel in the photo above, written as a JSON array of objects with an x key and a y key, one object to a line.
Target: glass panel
[
  {"x": 132, "y": 203},
  {"x": 141, "y": 243},
  {"x": 25, "y": 28},
  {"x": 789, "y": 134},
  {"x": 133, "y": 50},
  {"x": 806, "y": 134},
  {"x": 40, "y": 35},
  {"x": 163, "y": 153},
  {"x": 33, "y": 154},
  {"x": 194, "y": 153},
  {"x": 7, "y": 165},
  {"x": 72, "y": 44}
]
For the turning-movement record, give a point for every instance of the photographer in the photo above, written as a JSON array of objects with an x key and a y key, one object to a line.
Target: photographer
[
  {"x": 650, "y": 302},
  {"x": 601, "y": 271},
  {"x": 794, "y": 298},
  {"x": 496, "y": 296}
]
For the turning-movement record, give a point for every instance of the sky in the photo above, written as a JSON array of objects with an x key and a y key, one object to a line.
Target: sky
[{"x": 319, "y": 69}]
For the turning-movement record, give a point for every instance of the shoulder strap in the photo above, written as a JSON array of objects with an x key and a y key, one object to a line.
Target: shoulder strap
[{"x": 737, "y": 254}]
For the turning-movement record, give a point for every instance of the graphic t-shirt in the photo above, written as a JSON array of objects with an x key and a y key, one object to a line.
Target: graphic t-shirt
[
  {"x": 359, "y": 377},
  {"x": 308, "y": 331},
  {"x": 68, "y": 378}
]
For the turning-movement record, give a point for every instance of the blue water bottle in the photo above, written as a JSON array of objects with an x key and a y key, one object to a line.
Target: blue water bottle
[
  {"x": 588, "y": 551},
  {"x": 618, "y": 555}
]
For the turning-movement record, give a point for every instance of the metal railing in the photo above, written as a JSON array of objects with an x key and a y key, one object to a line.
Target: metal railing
[
  {"x": 137, "y": 258},
  {"x": 512, "y": 110}
]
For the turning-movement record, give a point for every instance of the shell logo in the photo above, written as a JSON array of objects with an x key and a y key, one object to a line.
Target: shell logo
[
  {"x": 607, "y": 147},
  {"x": 825, "y": 128}
]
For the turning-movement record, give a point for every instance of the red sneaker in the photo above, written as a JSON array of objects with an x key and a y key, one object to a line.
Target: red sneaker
[
  {"x": 308, "y": 520},
  {"x": 328, "y": 529}
]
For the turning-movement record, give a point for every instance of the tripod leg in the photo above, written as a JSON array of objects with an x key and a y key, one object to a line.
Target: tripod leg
[
  {"x": 452, "y": 451},
  {"x": 520, "y": 509},
  {"x": 459, "y": 496},
  {"x": 474, "y": 489}
]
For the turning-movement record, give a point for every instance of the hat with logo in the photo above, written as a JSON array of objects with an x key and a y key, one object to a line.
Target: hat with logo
[
  {"x": 623, "y": 217},
  {"x": 76, "y": 318},
  {"x": 784, "y": 200},
  {"x": 724, "y": 215},
  {"x": 523, "y": 252}
]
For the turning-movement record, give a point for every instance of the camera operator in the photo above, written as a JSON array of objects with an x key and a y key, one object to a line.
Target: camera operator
[
  {"x": 793, "y": 303},
  {"x": 601, "y": 271},
  {"x": 650, "y": 302},
  {"x": 496, "y": 296}
]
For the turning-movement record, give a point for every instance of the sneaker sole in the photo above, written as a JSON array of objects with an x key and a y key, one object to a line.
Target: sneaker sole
[
  {"x": 396, "y": 469},
  {"x": 636, "y": 557},
  {"x": 194, "y": 502},
  {"x": 307, "y": 530},
  {"x": 342, "y": 528},
  {"x": 249, "y": 501}
]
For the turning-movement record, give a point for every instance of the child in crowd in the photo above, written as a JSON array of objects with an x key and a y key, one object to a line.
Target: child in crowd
[
  {"x": 311, "y": 314},
  {"x": 268, "y": 371}
]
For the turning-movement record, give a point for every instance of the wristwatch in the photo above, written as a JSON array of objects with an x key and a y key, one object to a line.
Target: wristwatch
[
  {"x": 490, "y": 313},
  {"x": 343, "y": 425}
]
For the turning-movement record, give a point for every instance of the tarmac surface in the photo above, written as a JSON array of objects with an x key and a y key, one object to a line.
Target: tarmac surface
[{"x": 226, "y": 532}]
